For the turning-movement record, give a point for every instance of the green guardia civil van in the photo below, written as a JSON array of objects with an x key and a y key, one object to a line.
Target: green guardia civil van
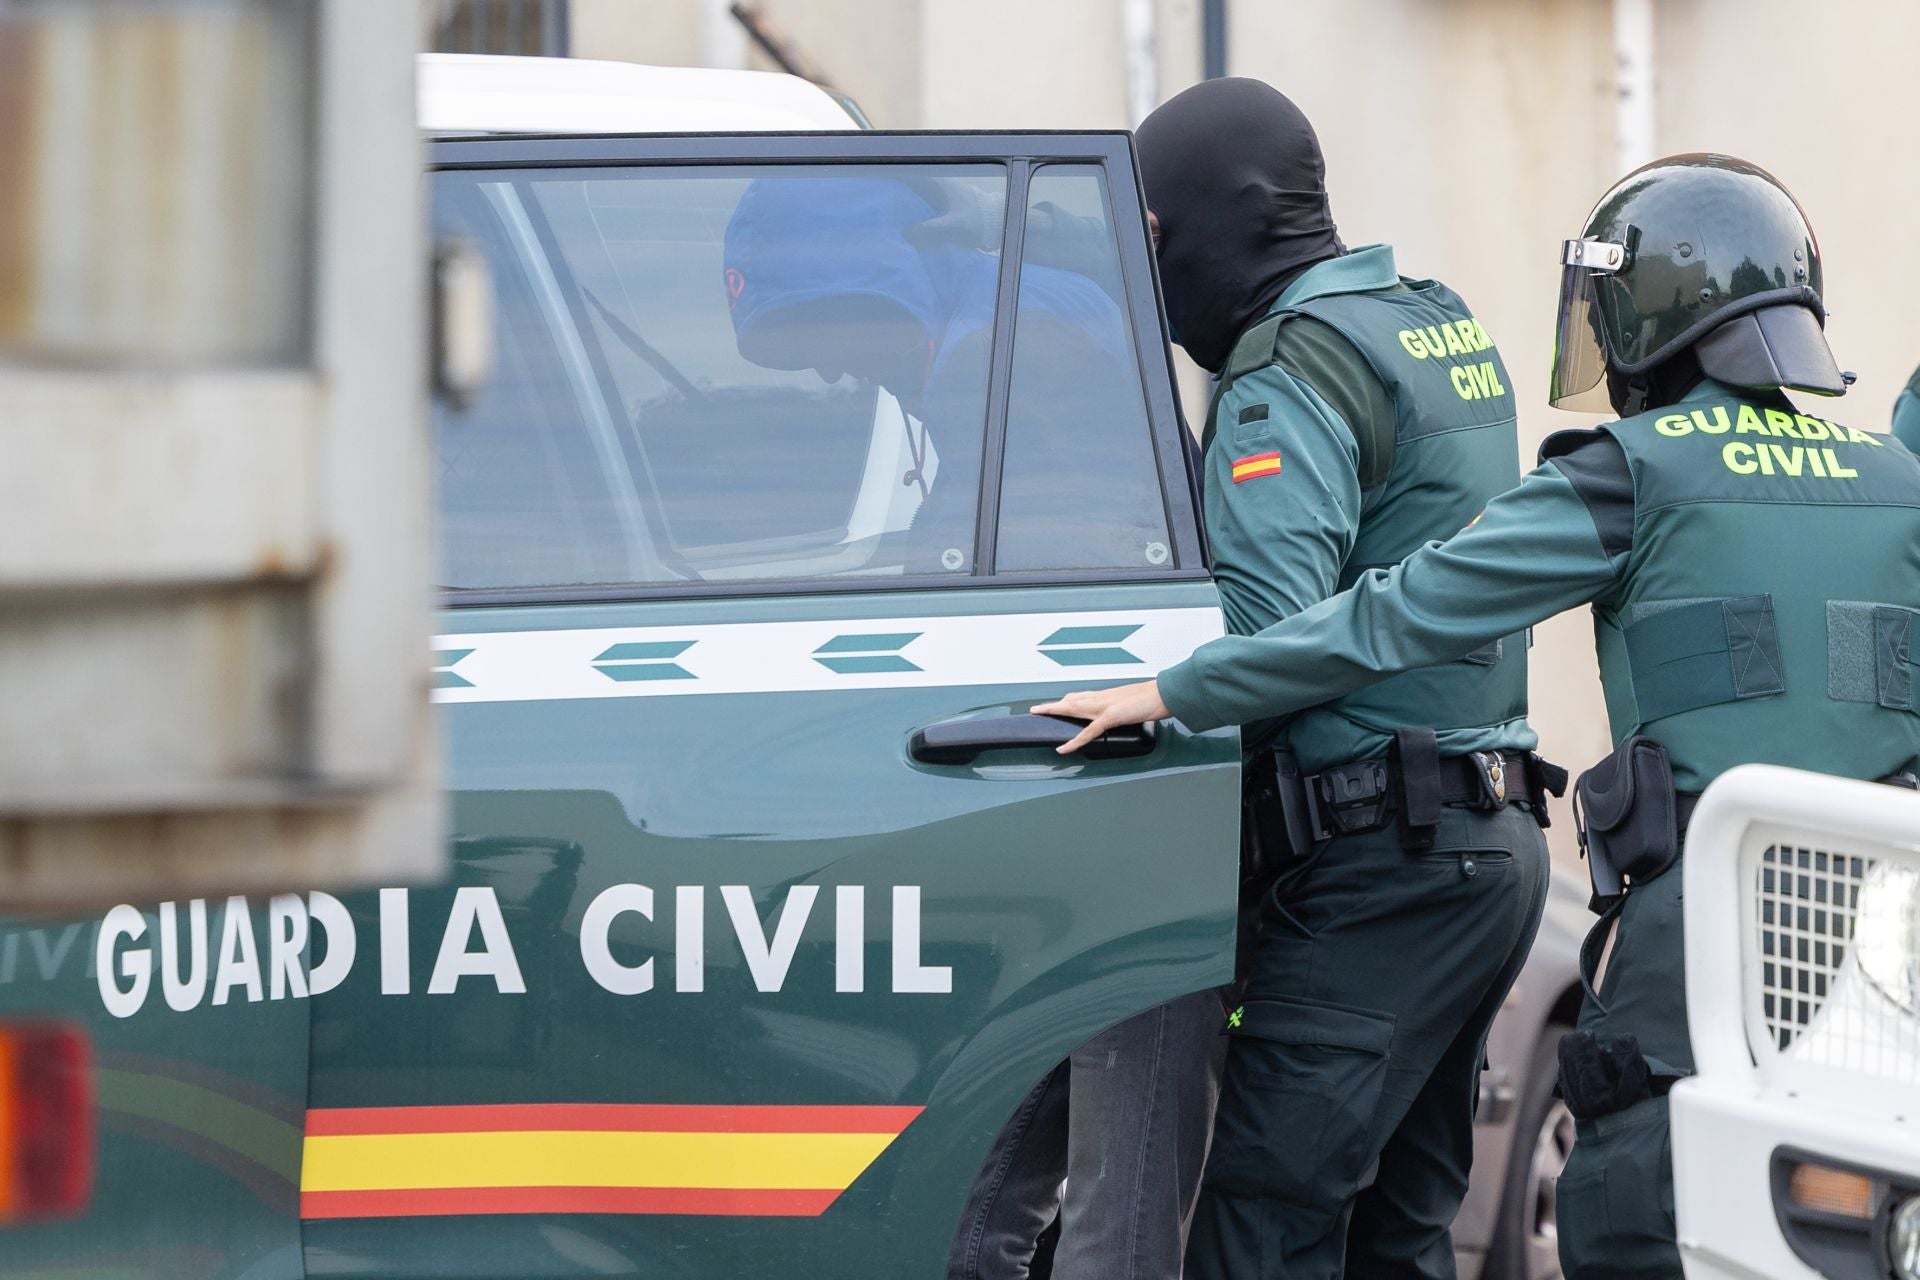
[{"x": 808, "y": 465}]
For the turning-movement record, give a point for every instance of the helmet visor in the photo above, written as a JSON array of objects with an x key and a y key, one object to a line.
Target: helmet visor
[{"x": 1579, "y": 354}]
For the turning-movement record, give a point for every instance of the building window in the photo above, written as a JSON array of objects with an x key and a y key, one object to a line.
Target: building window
[{"x": 536, "y": 27}]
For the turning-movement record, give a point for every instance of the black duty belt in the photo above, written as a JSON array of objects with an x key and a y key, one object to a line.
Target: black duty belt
[{"x": 1362, "y": 796}]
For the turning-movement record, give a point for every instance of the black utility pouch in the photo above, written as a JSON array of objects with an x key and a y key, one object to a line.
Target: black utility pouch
[
  {"x": 1599, "y": 1077},
  {"x": 1624, "y": 808},
  {"x": 1546, "y": 778},
  {"x": 1274, "y": 829},
  {"x": 1414, "y": 759}
]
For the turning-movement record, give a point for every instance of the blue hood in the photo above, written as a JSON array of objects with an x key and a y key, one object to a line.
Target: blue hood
[
  {"x": 796, "y": 243},
  {"x": 793, "y": 242}
]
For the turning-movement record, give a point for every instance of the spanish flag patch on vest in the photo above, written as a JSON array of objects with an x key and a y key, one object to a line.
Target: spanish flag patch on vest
[{"x": 1254, "y": 465}]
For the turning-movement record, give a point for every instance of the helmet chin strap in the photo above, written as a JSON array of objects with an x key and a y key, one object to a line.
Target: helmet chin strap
[
  {"x": 1628, "y": 394},
  {"x": 1666, "y": 383}
]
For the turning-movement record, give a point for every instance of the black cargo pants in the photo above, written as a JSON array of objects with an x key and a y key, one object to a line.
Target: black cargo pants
[
  {"x": 1345, "y": 1126},
  {"x": 1615, "y": 1199}
]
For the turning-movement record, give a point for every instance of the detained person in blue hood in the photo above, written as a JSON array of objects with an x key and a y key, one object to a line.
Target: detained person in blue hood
[
  {"x": 1397, "y": 866},
  {"x": 827, "y": 273}
]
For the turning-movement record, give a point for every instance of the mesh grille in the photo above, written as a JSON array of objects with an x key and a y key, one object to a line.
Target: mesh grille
[
  {"x": 1806, "y": 907},
  {"x": 1839, "y": 935}
]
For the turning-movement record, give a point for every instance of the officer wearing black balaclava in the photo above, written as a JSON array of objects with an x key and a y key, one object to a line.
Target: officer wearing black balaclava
[{"x": 1359, "y": 415}]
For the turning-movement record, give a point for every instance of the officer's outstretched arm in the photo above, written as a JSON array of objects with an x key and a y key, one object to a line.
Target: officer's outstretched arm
[{"x": 1537, "y": 550}]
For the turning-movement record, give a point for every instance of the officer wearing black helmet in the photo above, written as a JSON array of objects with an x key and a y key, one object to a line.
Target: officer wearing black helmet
[{"x": 1754, "y": 572}]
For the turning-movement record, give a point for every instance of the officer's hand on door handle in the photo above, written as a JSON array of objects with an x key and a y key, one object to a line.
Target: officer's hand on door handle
[{"x": 1103, "y": 709}]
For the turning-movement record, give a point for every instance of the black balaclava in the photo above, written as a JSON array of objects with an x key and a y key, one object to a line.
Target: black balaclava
[{"x": 1235, "y": 175}]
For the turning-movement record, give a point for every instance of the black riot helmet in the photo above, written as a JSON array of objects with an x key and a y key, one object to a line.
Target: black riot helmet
[{"x": 1695, "y": 258}]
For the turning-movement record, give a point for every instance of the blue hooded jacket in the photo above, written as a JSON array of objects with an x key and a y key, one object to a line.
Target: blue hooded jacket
[
  {"x": 808, "y": 240},
  {"x": 799, "y": 250}
]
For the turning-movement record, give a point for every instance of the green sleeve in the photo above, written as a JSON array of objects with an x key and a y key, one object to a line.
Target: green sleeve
[
  {"x": 1534, "y": 552},
  {"x": 1278, "y": 538},
  {"x": 1906, "y": 415}
]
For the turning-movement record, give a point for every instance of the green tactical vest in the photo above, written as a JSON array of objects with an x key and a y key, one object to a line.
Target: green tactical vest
[
  {"x": 1455, "y": 448},
  {"x": 1771, "y": 602}
]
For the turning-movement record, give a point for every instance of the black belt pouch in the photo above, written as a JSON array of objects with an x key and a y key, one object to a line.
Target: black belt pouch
[
  {"x": 1273, "y": 828},
  {"x": 1625, "y": 809}
]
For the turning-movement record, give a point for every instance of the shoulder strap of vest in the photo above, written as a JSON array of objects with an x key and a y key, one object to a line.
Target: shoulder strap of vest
[
  {"x": 1566, "y": 440},
  {"x": 1255, "y": 348},
  {"x": 1253, "y": 351}
]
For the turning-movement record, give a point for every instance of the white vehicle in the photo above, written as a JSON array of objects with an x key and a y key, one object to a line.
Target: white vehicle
[
  {"x": 1796, "y": 1146},
  {"x": 477, "y": 93}
]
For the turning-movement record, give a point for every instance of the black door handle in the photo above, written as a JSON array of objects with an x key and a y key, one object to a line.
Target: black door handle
[{"x": 961, "y": 741}]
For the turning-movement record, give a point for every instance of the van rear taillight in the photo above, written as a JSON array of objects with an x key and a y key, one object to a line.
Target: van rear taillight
[{"x": 46, "y": 1121}]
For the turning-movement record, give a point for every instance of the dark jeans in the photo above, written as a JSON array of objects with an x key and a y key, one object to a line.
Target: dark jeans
[
  {"x": 1345, "y": 1128},
  {"x": 1124, "y": 1122}
]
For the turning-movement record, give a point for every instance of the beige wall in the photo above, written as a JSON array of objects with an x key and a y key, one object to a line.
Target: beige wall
[
  {"x": 1473, "y": 135},
  {"x": 1068, "y": 73},
  {"x": 872, "y": 51},
  {"x": 1837, "y": 127},
  {"x": 663, "y": 32}
]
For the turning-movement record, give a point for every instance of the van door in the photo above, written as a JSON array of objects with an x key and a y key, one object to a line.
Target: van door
[{"x": 812, "y": 464}]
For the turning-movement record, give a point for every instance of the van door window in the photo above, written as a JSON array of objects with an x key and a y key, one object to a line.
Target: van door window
[
  {"x": 712, "y": 374},
  {"x": 1080, "y": 487}
]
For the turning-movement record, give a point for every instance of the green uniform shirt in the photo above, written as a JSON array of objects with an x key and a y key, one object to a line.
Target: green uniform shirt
[
  {"x": 1826, "y": 533},
  {"x": 1283, "y": 541},
  {"x": 1906, "y": 414}
]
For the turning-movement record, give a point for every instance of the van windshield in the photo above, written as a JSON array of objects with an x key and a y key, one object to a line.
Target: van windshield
[{"x": 706, "y": 373}]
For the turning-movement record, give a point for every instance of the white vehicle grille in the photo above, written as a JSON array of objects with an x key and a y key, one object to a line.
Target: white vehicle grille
[
  {"x": 1837, "y": 959},
  {"x": 1802, "y": 909}
]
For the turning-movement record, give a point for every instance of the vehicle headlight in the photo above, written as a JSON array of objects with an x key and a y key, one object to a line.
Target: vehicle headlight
[
  {"x": 1903, "y": 1239},
  {"x": 1886, "y": 934}
]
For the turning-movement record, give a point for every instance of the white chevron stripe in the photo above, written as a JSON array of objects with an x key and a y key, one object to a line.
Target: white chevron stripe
[{"x": 780, "y": 657}]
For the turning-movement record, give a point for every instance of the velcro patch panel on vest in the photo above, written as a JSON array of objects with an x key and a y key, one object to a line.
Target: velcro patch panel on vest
[
  {"x": 1871, "y": 649},
  {"x": 1686, "y": 654}
]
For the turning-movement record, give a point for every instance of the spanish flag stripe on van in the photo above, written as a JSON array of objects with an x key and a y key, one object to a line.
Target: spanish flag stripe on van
[
  {"x": 589, "y": 1158},
  {"x": 431, "y": 1202},
  {"x": 342, "y": 1121}
]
